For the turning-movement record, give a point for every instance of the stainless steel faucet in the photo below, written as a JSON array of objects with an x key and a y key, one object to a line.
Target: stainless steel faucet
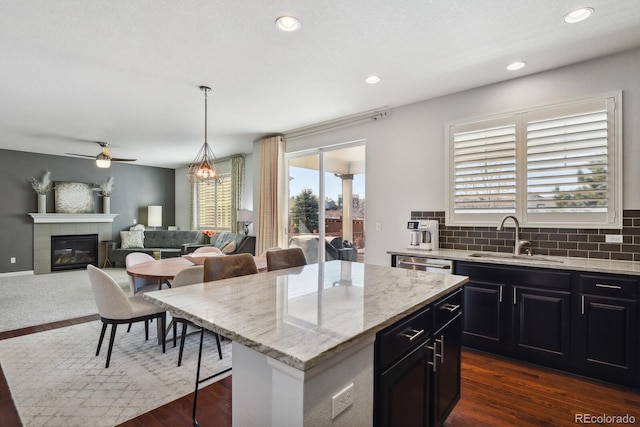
[{"x": 519, "y": 244}]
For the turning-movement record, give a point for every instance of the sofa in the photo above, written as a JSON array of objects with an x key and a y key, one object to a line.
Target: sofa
[
  {"x": 335, "y": 247},
  {"x": 170, "y": 243},
  {"x": 229, "y": 243}
]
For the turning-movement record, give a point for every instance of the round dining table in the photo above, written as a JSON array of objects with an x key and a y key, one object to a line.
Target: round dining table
[{"x": 167, "y": 268}]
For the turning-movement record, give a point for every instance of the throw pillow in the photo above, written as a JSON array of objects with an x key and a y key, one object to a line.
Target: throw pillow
[
  {"x": 228, "y": 247},
  {"x": 132, "y": 239}
]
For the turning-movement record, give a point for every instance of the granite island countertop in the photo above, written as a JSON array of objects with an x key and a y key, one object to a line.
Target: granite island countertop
[
  {"x": 559, "y": 263},
  {"x": 305, "y": 315}
]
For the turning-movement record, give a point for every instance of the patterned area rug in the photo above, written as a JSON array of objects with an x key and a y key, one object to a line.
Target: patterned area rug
[{"x": 56, "y": 379}]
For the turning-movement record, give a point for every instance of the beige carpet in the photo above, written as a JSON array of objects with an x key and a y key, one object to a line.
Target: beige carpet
[
  {"x": 31, "y": 300},
  {"x": 56, "y": 379}
]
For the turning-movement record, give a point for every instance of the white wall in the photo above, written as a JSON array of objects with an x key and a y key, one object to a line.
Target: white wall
[{"x": 405, "y": 152}]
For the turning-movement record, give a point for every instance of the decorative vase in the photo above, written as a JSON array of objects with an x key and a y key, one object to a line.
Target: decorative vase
[
  {"x": 42, "y": 203},
  {"x": 106, "y": 204}
]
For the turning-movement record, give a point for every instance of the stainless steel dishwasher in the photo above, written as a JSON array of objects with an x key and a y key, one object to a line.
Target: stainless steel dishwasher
[{"x": 433, "y": 265}]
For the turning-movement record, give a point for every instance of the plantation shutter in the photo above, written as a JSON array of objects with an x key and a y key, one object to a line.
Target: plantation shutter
[
  {"x": 558, "y": 165},
  {"x": 567, "y": 159},
  {"x": 484, "y": 167},
  {"x": 214, "y": 205}
]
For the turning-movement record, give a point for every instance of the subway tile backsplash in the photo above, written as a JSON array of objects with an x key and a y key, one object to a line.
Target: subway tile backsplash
[{"x": 573, "y": 242}]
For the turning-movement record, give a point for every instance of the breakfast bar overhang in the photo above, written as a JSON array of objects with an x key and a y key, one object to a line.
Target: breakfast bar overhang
[{"x": 303, "y": 335}]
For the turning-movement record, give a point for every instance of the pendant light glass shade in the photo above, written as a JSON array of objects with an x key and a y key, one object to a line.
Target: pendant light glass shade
[{"x": 203, "y": 169}]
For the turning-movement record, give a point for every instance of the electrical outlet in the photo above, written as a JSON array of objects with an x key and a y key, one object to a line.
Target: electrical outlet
[
  {"x": 13, "y": 260},
  {"x": 341, "y": 400},
  {"x": 135, "y": 221},
  {"x": 378, "y": 226},
  {"x": 613, "y": 238}
]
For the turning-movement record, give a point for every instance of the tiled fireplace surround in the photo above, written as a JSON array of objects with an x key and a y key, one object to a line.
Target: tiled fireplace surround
[
  {"x": 573, "y": 242},
  {"x": 47, "y": 225}
]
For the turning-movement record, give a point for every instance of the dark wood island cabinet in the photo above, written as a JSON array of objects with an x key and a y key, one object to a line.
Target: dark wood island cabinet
[{"x": 417, "y": 365}]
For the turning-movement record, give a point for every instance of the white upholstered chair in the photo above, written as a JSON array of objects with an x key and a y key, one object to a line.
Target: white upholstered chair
[
  {"x": 188, "y": 276},
  {"x": 115, "y": 308},
  {"x": 138, "y": 283}
]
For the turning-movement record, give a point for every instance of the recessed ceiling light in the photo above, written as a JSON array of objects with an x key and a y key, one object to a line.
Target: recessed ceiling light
[
  {"x": 287, "y": 23},
  {"x": 578, "y": 15},
  {"x": 516, "y": 65},
  {"x": 373, "y": 79}
]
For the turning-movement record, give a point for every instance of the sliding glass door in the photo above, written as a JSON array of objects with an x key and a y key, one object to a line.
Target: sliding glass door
[{"x": 326, "y": 204}]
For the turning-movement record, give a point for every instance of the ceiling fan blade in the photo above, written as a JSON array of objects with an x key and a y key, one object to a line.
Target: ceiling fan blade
[
  {"x": 106, "y": 151},
  {"x": 81, "y": 155},
  {"x": 123, "y": 160}
]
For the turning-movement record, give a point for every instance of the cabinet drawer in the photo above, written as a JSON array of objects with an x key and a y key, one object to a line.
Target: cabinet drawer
[
  {"x": 448, "y": 308},
  {"x": 610, "y": 285},
  {"x": 400, "y": 339}
]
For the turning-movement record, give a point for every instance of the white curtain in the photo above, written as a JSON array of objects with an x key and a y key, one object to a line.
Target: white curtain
[
  {"x": 237, "y": 190},
  {"x": 270, "y": 219}
]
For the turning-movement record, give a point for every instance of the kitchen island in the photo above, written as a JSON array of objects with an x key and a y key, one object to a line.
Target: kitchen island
[{"x": 302, "y": 335}]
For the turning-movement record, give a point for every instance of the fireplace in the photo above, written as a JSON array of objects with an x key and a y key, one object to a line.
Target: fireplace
[{"x": 74, "y": 251}]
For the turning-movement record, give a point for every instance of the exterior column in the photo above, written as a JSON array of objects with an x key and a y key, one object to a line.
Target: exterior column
[{"x": 347, "y": 206}]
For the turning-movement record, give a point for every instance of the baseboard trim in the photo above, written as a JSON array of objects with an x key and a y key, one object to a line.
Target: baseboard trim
[{"x": 17, "y": 273}]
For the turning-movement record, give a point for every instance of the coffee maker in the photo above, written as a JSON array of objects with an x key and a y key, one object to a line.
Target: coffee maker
[
  {"x": 415, "y": 235},
  {"x": 424, "y": 234}
]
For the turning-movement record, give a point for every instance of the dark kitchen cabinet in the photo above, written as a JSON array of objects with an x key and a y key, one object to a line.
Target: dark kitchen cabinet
[
  {"x": 417, "y": 364},
  {"x": 541, "y": 320},
  {"x": 518, "y": 312},
  {"x": 446, "y": 390},
  {"x": 484, "y": 318},
  {"x": 404, "y": 397},
  {"x": 607, "y": 327}
]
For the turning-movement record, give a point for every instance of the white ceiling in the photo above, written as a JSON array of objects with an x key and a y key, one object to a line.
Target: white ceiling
[{"x": 128, "y": 72}]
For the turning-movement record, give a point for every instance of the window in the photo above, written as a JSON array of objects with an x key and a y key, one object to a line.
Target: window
[
  {"x": 214, "y": 205},
  {"x": 554, "y": 166}
]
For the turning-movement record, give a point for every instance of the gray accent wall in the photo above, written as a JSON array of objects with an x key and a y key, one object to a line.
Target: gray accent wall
[{"x": 135, "y": 188}]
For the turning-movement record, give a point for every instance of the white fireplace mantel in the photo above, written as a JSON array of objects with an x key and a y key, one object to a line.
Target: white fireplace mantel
[{"x": 57, "y": 218}]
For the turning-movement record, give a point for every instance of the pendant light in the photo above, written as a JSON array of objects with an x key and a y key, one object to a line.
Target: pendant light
[{"x": 203, "y": 169}]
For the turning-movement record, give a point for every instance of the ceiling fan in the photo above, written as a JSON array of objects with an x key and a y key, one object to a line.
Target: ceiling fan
[{"x": 104, "y": 158}]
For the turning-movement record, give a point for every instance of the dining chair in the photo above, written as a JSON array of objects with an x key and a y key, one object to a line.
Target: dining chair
[
  {"x": 219, "y": 268},
  {"x": 140, "y": 283},
  {"x": 207, "y": 249},
  {"x": 115, "y": 308},
  {"x": 278, "y": 259},
  {"x": 188, "y": 276},
  {"x": 228, "y": 266}
]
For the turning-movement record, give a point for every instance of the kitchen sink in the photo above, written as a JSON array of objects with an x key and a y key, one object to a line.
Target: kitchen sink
[{"x": 497, "y": 255}]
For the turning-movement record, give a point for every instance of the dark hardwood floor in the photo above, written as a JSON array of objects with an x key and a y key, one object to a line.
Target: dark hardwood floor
[{"x": 495, "y": 392}]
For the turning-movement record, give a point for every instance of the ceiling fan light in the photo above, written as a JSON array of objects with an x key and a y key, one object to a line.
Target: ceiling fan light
[{"x": 103, "y": 161}]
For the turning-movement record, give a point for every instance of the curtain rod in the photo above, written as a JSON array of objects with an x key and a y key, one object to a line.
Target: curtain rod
[{"x": 335, "y": 124}]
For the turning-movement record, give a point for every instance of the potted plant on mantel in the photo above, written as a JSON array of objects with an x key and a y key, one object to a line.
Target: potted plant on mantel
[
  {"x": 42, "y": 187},
  {"x": 106, "y": 189}
]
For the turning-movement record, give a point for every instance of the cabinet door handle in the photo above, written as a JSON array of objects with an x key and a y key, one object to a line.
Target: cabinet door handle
[
  {"x": 450, "y": 307},
  {"x": 413, "y": 333},
  {"x": 501, "y": 293},
  {"x": 603, "y": 285},
  {"x": 582, "y": 303},
  {"x": 515, "y": 291},
  {"x": 441, "y": 342},
  {"x": 433, "y": 356}
]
